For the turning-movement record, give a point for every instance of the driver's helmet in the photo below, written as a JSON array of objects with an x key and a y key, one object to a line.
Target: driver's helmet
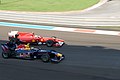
[
  {"x": 33, "y": 33},
  {"x": 53, "y": 37},
  {"x": 10, "y": 42},
  {"x": 16, "y": 35}
]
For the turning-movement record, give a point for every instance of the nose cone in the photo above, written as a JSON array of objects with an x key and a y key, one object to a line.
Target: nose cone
[{"x": 59, "y": 55}]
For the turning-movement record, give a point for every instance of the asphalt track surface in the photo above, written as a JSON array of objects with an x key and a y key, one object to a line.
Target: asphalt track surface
[{"x": 88, "y": 57}]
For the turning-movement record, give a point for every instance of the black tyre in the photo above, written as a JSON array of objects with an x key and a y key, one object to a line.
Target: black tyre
[
  {"x": 45, "y": 57},
  {"x": 49, "y": 43},
  {"x": 32, "y": 57},
  {"x": 63, "y": 56},
  {"x": 5, "y": 55}
]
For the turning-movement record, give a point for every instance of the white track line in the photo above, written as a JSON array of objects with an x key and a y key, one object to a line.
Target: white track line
[{"x": 91, "y": 31}]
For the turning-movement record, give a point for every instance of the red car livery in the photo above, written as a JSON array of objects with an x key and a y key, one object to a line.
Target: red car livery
[{"x": 28, "y": 37}]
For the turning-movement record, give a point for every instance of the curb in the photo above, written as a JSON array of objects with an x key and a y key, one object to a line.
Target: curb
[
  {"x": 65, "y": 29},
  {"x": 90, "y": 31}
]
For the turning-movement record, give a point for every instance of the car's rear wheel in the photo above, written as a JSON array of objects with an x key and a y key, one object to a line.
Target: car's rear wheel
[
  {"x": 5, "y": 55},
  {"x": 49, "y": 43},
  {"x": 45, "y": 57}
]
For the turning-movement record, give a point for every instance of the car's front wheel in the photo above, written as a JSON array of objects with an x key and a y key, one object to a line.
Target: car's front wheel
[
  {"x": 49, "y": 43},
  {"x": 45, "y": 57}
]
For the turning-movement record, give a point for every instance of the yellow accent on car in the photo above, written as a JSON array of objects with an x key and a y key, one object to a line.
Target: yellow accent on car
[
  {"x": 33, "y": 40},
  {"x": 41, "y": 39},
  {"x": 27, "y": 47},
  {"x": 59, "y": 55}
]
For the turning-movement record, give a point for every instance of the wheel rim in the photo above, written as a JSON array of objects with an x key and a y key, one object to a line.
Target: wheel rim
[
  {"x": 49, "y": 43},
  {"x": 44, "y": 58},
  {"x": 5, "y": 55}
]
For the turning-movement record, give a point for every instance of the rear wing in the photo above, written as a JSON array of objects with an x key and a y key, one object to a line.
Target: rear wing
[
  {"x": 4, "y": 47},
  {"x": 12, "y": 33}
]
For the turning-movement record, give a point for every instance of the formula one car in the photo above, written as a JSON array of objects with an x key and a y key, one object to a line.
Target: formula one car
[
  {"x": 27, "y": 37},
  {"x": 31, "y": 53}
]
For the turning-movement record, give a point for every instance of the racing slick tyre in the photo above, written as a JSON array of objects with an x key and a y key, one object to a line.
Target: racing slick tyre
[
  {"x": 5, "y": 55},
  {"x": 63, "y": 56},
  {"x": 45, "y": 57},
  {"x": 49, "y": 43}
]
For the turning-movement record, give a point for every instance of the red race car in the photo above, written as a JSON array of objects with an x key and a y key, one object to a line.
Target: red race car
[{"x": 27, "y": 37}]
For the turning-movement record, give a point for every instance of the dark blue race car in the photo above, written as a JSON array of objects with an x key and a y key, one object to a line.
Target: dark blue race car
[{"x": 32, "y": 53}]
